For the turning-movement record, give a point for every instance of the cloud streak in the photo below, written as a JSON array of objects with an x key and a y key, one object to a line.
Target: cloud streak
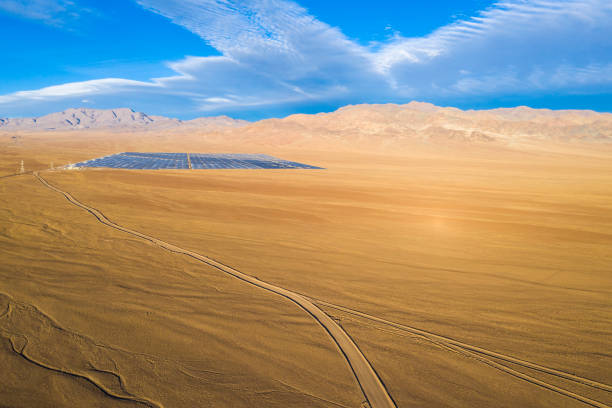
[
  {"x": 75, "y": 89},
  {"x": 52, "y": 12},
  {"x": 274, "y": 52}
]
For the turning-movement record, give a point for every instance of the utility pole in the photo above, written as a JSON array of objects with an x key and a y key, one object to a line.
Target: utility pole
[
  {"x": 51, "y": 167},
  {"x": 22, "y": 169}
]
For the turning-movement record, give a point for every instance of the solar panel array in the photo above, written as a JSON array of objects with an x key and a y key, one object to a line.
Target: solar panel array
[
  {"x": 132, "y": 160},
  {"x": 155, "y": 161}
]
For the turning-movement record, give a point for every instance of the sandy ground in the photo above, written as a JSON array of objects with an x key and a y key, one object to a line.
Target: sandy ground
[{"x": 509, "y": 251}]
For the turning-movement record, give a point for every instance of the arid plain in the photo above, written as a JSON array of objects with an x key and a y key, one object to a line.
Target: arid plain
[{"x": 468, "y": 256}]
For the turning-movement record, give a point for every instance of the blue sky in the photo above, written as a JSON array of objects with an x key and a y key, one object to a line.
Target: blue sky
[{"x": 260, "y": 58}]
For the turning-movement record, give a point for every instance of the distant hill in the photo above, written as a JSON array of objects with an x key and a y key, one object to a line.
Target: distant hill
[
  {"x": 386, "y": 126},
  {"x": 390, "y": 126},
  {"x": 118, "y": 119}
]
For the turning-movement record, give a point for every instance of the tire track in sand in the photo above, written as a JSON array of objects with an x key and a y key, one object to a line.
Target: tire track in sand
[
  {"x": 370, "y": 383},
  {"x": 16, "y": 174},
  {"x": 479, "y": 353}
]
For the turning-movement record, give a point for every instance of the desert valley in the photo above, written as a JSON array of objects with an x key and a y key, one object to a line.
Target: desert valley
[{"x": 437, "y": 258}]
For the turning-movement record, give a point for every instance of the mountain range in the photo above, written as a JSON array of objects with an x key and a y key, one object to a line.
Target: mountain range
[
  {"x": 383, "y": 125},
  {"x": 119, "y": 119},
  {"x": 396, "y": 127}
]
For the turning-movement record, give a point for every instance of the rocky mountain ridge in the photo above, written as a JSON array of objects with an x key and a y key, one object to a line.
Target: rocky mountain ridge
[
  {"x": 387, "y": 125},
  {"x": 392, "y": 124},
  {"x": 118, "y": 119}
]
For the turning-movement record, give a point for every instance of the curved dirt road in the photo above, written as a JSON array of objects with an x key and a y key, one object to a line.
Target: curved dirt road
[{"x": 372, "y": 387}]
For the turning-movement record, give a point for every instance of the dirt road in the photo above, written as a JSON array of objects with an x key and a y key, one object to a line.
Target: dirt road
[{"x": 373, "y": 389}]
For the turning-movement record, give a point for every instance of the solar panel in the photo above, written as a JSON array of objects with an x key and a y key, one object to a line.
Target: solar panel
[{"x": 158, "y": 161}]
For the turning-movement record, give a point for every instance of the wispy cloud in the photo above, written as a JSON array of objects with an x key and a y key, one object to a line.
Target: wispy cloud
[
  {"x": 511, "y": 39},
  {"x": 269, "y": 47},
  {"x": 78, "y": 89},
  {"x": 584, "y": 79},
  {"x": 53, "y": 12},
  {"x": 275, "y": 52}
]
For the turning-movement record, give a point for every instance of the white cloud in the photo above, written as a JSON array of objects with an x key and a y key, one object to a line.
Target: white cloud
[
  {"x": 512, "y": 19},
  {"x": 273, "y": 52},
  {"x": 76, "y": 89},
  {"x": 505, "y": 48},
  {"x": 52, "y": 12}
]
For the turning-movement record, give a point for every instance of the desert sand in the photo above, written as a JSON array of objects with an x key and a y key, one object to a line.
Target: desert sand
[{"x": 467, "y": 259}]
